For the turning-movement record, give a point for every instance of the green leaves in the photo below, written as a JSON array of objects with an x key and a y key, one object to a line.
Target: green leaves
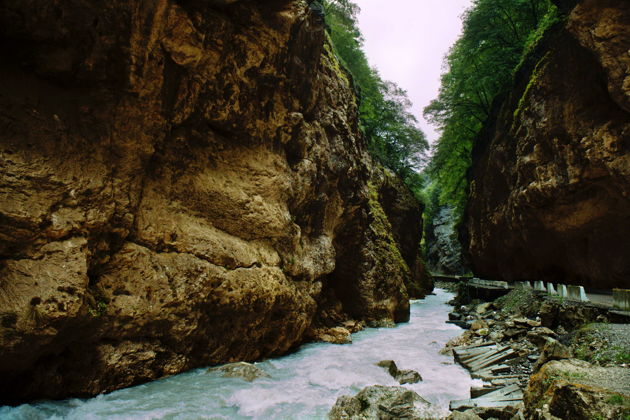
[
  {"x": 391, "y": 130},
  {"x": 480, "y": 65}
]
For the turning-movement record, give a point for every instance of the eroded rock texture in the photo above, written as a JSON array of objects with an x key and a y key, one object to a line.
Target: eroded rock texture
[
  {"x": 550, "y": 184},
  {"x": 444, "y": 250},
  {"x": 182, "y": 183}
]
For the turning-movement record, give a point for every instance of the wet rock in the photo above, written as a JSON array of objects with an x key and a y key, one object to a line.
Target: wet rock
[
  {"x": 243, "y": 370},
  {"x": 408, "y": 376},
  {"x": 454, "y": 316},
  {"x": 381, "y": 323},
  {"x": 379, "y": 402},
  {"x": 405, "y": 376},
  {"x": 336, "y": 335},
  {"x": 354, "y": 325}
]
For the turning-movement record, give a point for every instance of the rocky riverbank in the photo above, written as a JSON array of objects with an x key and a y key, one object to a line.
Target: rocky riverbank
[
  {"x": 568, "y": 359},
  {"x": 540, "y": 358},
  {"x": 184, "y": 184}
]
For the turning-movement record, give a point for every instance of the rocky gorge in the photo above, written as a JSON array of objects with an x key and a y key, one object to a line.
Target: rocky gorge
[
  {"x": 571, "y": 360},
  {"x": 549, "y": 186},
  {"x": 190, "y": 183},
  {"x": 184, "y": 184}
]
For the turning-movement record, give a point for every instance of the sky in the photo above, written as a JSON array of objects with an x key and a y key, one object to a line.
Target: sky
[{"x": 406, "y": 40}]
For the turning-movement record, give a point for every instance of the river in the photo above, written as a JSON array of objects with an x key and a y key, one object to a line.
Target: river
[{"x": 303, "y": 385}]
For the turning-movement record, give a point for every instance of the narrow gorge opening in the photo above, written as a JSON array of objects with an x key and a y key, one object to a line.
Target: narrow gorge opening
[{"x": 315, "y": 209}]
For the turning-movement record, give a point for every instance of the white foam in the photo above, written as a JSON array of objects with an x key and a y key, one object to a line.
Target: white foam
[{"x": 303, "y": 385}]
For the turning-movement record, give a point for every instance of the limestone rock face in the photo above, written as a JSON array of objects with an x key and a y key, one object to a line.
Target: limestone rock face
[
  {"x": 182, "y": 184},
  {"x": 573, "y": 389},
  {"x": 378, "y": 402},
  {"x": 444, "y": 250},
  {"x": 550, "y": 183}
]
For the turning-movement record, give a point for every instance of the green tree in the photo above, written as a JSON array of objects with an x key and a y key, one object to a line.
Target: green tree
[
  {"x": 384, "y": 108},
  {"x": 496, "y": 35}
]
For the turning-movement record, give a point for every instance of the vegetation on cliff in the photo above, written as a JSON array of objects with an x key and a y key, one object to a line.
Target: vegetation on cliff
[
  {"x": 497, "y": 35},
  {"x": 391, "y": 130}
]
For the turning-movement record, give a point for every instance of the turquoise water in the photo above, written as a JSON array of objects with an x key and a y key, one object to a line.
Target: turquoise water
[{"x": 303, "y": 385}]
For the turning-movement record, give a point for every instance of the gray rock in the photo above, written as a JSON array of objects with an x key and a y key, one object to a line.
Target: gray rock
[
  {"x": 454, "y": 316},
  {"x": 553, "y": 350},
  {"x": 539, "y": 336},
  {"x": 390, "y": 365},
  {"x": 381, "y": 323},
  {"x": 243, "y": 370},
  {"x": 405, "y": 376},
  {"x": 444, "y": 248},
  {"x": 408, "y": 376},
  {"x": 379, "y": 402}
]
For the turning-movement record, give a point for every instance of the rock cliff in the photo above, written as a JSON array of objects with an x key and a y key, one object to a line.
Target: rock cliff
[
  {"x": 183, "y": 183},
  {"x": 550, "y": 183},
  {"x": 444, "y": 250}
]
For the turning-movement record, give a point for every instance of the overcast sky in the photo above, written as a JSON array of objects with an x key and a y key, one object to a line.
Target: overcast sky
[{"x": 406, "y": 40}]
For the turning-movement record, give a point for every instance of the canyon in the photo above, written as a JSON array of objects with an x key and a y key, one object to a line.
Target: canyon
[
  {"x": 187, "y": 183},
  {"x": 184, "y": 184},
  {"x": 550, "y": 183}
]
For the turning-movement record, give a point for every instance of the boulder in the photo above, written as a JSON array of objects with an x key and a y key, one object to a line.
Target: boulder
[
  {"x": 482, "y": 332},
  {"x": 408, "y": 376},
  {"x": 484, "y": 307},
  {"x": 552, "y": 350},
  {"x": 463, "y": 415},
  {"x": 336, "y": 335},
  {"x": 539, "y": 336},
  {"x": 574, "y": 389},
  {"x": 478, "y": 324},
  {"x": 405, "y": 376},
  {"x": 243, "y": 370},
  {"x": 379, "y": 402},
  {"x": 454, "y": 316}
]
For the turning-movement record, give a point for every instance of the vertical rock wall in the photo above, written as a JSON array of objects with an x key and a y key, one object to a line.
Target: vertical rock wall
[
  {"x": 550, "y": 184},
  {"x": 177, "y": 183}
]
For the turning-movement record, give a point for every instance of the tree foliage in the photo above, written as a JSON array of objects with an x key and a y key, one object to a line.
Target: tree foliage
[
  {"x": 391, "y": 130},
  {"x": 479, "y": 66}
]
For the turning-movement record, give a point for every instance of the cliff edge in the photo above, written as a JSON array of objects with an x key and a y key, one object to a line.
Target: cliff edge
[
  {"x": 550, "y": 183},
  {"x": 182, "y": 183}
]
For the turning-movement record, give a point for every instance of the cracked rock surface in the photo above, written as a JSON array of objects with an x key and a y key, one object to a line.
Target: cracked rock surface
[{"x": 183, "y": 184}]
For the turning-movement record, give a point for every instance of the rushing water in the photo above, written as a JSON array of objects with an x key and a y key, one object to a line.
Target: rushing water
[{"x": 303, "y": 385}]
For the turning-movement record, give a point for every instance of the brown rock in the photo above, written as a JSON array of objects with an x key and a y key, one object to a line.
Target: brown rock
[
  {"x": 539, "y": 336},
  {"x": 405, "y": 376},
  {"x": 245, "y": 371},
  {"x": 552, "y": 350},
  {"x": 183, "y": 184},
  {"x": 380, "y": 402},
  {"x": 478, "y": 324},
  {"x": 573, "y": 389},
  {"x": 550, "y": 183},
  {"x": 336, "y": 335}
]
